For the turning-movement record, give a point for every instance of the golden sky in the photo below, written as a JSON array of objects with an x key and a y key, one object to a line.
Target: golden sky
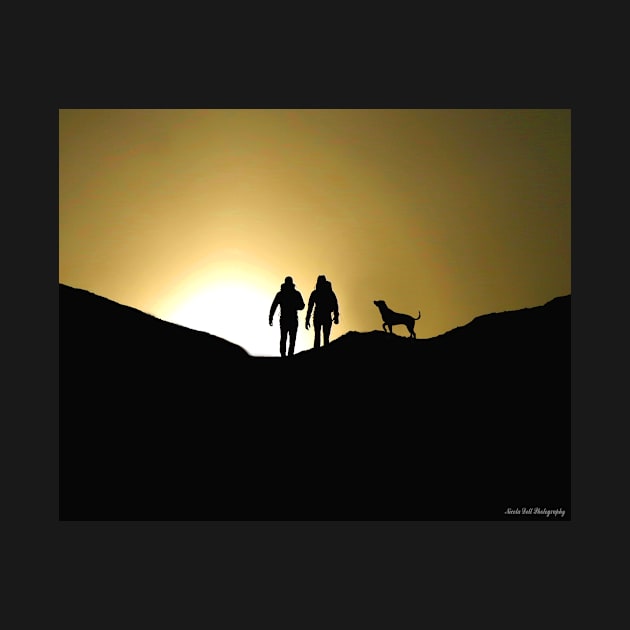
[{"x": 197, "y": 215}]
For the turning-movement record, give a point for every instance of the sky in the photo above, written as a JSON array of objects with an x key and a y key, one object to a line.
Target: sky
[{"x": 196, "y": 216}]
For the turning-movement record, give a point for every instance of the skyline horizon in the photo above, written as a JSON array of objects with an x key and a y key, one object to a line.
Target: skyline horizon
[{"x": 196, "y": 216}]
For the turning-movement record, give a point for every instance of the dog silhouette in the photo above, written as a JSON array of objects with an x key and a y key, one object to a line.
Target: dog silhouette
[{"x": 391, "y": 318}]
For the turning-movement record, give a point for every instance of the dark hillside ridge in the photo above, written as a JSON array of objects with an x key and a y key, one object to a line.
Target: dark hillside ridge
[
  {"x": 158, "y": 422},
  {"x": 108, "y": 325}
]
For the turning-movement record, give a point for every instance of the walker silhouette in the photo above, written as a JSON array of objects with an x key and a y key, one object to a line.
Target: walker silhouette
[
  {"x": 323, "y": 304},
  {"x": 290, "y": 301}
]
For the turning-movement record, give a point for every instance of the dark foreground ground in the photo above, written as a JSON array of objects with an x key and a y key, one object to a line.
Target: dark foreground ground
[{"x": 161, "y": 423}]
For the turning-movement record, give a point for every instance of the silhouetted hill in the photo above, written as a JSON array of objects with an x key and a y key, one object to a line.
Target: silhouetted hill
[
  {"x": 160, "y": 422},
  {"x": 108, "y": 327}
]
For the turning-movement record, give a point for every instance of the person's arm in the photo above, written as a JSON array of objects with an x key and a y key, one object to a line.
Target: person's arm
[
  {"x": 311, "y": 302},
  {"x": 274, "y": 306},
  {"x": 335, "y": 309}
]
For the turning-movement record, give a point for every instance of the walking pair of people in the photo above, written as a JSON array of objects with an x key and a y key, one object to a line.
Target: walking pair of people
[{"x": 322, "y": 304}]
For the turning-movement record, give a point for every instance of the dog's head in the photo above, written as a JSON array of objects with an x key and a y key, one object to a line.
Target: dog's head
[{"x": 380, "y": 303}]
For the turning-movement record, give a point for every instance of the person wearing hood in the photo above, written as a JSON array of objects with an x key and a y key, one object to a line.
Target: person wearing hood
[
  {"x": 322, "y": 303},
  {"x": 290, "y": 301}
]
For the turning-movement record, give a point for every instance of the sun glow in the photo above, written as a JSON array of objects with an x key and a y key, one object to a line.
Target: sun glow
[{"x": 236, "y": 311}]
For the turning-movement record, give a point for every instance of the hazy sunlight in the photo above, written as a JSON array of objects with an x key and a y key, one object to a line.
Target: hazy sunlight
[{"x": 235, "y": 311}]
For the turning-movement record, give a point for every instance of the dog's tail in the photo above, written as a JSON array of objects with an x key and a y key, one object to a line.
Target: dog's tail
[{"x": 419, "y": 315}]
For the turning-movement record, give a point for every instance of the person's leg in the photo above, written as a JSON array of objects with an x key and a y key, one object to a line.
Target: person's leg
[
  {"x": 292, "y": 334},
  {"x": 326, "y": 326},
  {"x": 318, "y": 330},
  {"x": 283, "y": 340}
]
